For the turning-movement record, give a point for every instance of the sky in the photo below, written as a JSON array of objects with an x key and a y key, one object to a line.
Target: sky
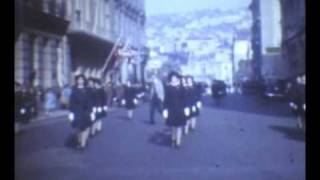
[{"x": 156, "y": 7}]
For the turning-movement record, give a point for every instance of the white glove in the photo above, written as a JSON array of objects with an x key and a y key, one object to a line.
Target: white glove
[
  {"x": 165, "y": 113},
  {"x": 99, "y": 109},
  {"x": 140, "y": 95},
  {"x": 304, "y": 106},
  {"x": 94, "y": 109},
  {"x": 193, "y": 108},
  {"x": 92, "y": 116},
  {"x": 105, "y": 108},
  {"x": 123, "y": 102},
  {"x": 186, "y": 111},
  {"x": 135, "y": 101},
  {"x": 199, "y": 104},
  {"x": 22, "y": 111},
  {"x": 71, "y": 117}
]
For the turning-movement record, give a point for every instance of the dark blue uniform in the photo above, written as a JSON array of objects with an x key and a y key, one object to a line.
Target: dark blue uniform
[
  {"x": 101, "y": 101},
  {"x": 174, "y": 103},
  {"x": 80, "y": 107},
  {"x": 130, "y": 94}
]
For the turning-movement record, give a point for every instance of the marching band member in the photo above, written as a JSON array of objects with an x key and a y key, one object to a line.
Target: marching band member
[
  {"x": 80, "y": 112},
  {"x": 101, "y": 106},
  {"x": 187, "y": 97},
  {"x": 174, "y": 110},
  {"x": 129, "y": 101},
  {"x": 196, "y": 104}
]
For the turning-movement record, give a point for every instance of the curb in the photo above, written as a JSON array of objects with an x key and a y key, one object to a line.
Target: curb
[{"x": 40, "y": 122}]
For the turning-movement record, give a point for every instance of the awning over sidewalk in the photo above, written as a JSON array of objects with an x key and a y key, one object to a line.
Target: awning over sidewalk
[{"x": 88, "y": 51}]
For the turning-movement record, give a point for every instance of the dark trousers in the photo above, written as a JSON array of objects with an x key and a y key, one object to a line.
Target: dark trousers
[{"x": 155, "y": 104}]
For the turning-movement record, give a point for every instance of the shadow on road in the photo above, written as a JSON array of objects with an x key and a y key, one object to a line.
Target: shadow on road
[
  {"x": 291, "y": 133},
  {"x": 161, "y": 138}
]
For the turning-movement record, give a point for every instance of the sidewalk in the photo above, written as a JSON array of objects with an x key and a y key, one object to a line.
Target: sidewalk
[{"x": 43, "y": 118}]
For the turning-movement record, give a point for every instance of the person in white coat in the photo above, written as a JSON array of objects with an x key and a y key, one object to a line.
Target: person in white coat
[{"x": 157, "y": 97}]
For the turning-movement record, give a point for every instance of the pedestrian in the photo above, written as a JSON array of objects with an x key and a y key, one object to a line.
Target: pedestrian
[
  {"x": 23, "y": 105},
  {"x": 157, "y": 97},
  {"x": 50, "y": 101},
  {"x": 81, "y": 114},
  {"x": 100, "y": 106},
  {"x": 129, "y": 100},
  {"x": 18, "y": 104},
  {"x": 66, "y": 92},
  {"x": 174, "y": 110},
  {"x": 110, "y": 93},
  {"x": 32, "y": 98}
]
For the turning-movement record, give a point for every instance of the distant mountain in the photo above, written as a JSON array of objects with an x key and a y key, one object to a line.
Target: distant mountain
[{"x": 208, "y": 34}]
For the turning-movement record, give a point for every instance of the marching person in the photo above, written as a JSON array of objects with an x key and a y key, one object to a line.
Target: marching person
[
  {"x": 174, "y": 110},
  {"x": 80, "y": 114},
  {"x": 196, "y": 104},
  {"x": 297, "y": 101},
  {"x": 187, "y": 99},
  {"x": 100, "y": 106},
  {"x": 129, "y": 100},
  {"x": 93, "y": 103},
  {"x": 157, "y": 97}
]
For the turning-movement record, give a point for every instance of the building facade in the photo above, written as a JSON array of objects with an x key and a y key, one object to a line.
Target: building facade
[
  {"x": 41, "y": 44},
  {"x": 293, "y": 35},
  {"x": 267, "y": 39},
  {"x": 56, "y": 37}
]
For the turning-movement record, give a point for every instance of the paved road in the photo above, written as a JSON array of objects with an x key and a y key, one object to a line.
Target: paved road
[{"x": 228, "y": 144}]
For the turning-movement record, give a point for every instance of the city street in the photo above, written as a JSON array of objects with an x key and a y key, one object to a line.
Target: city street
[{"x": 241, "y": 139}]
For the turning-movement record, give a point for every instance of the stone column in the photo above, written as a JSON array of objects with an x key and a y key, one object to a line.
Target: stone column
[
  {"x": 18, "y": 58},
  {"x": 36, "y": 59},
  {"x": 47, "y": 60}
]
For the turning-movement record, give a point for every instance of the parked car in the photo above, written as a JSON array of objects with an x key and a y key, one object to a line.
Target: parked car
[
  {"x": 251, "y": 87},
  {"x": 218, "y": 89},
  {"x": 203, "y": 87},
  {"x": 275, "y": 89}
]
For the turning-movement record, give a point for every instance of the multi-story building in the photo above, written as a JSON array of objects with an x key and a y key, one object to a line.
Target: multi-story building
[
  {"x": 57, "y": 37},
  {"x": 97, "y": 25},
  {"x": 293, "y": 35},
  {"x": 40, "y": 43},
  {"x": 241, "y": 47},
  {"x": 267, "y": 31},
  {"x": 256, "y": 38}
]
